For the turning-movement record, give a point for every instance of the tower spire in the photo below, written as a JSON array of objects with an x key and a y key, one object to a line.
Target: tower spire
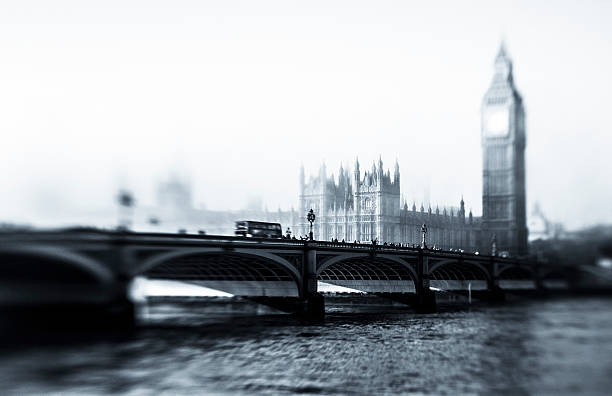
[
  {"x": 502, "y": 49},
  {"x": 503, "y": 65},
  {"x": 503, "y": 128},
  {"x": 396, "y": 172}
]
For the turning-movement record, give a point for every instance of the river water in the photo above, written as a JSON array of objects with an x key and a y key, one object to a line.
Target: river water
[{"x": 561, "y": 346}]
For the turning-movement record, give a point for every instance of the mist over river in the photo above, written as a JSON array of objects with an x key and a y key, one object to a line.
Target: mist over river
[{"x": 556, "y": 346}]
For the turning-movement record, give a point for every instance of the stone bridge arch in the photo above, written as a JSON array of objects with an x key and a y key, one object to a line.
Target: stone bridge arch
[
  {"x": 45, "y": 275},
  {"x": 365, "y": 272},
  {"x": 513, "y": 271},
  {"x": 555, "y": 278},
  {"x": 455, "y": 274},
  {"x": 77, "y": 262},
  {"x": 242, "y": 272},
  {"x": 514, "y": 277}
]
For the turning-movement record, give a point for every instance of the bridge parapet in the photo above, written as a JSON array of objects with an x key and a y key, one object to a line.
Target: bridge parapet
[{"x": 124, "y": 255}]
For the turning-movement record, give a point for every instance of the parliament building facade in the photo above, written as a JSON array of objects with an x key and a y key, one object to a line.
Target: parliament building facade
[{"x": 366, "y": 205}]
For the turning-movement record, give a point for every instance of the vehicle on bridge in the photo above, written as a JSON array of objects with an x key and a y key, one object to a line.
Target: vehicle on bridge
[{"x": 258, "y": 229}]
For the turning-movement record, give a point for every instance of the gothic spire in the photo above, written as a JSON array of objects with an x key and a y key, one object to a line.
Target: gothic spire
[
  {"x": 372, "y": 174},
  {"x": 502, "y": 50},
  {"x": 396, "y": 173},
  {"x": 503, "y": 66},
  {"x": 323, "y": 175}
]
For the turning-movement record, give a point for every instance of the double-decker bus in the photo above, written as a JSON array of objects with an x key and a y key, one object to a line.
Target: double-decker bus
[{"x": 258, "y": 229}]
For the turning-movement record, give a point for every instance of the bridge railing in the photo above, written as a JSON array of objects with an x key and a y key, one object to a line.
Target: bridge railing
[{"x": 128, "y": 236}]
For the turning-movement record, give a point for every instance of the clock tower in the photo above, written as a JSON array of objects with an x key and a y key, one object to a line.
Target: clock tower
[{"x": 503, "y": 163}]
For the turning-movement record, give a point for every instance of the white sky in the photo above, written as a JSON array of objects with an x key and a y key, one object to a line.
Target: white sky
[{"x": 235, "y": 95}]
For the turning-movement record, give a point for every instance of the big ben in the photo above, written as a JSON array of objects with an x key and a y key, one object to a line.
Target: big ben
[{"x": 503, "y": 163}]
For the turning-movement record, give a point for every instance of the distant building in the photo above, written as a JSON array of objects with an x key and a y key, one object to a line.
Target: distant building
[
  {"x": 354, "y": 208},
  {"x": 174, "y": 193},
  {"x": 503, "y": 167},
  {"x": 174, "y": 211},
  {"x": 539, "y": 226},
  {"x": 367, "y": 206}
]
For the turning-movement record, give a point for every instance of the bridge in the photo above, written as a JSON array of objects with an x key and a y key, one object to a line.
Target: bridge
[{"x": 96, "y": 268}]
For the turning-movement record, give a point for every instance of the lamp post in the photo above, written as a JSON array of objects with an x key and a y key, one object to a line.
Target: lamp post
[
  {"x": 126, "y": 200},
  {"x": 494, "y": 245},
  {"x": 311, "y": 218},
  {"x": 424, "y": 232}
]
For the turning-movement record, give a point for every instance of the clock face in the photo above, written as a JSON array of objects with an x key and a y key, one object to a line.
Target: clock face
[{"x": 497, "y": 122}]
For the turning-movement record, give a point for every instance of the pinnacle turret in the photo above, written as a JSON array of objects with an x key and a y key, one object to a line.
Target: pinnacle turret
[
  {"x": 502, "y": 50},
  {"x": 503, "y": 66},
  {"x": 323, "y": 172},
  {"x": 396, "y": 173}
]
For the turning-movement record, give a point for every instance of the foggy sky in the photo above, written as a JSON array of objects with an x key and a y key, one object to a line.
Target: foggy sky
[{"x": 235, "y": 96}]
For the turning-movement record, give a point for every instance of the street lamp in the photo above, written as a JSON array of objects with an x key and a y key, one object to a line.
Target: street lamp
[
  {"x": 126, "y": 201},
  {"x": 424, "y": 232},
  {"x": 494, "y": 245},
  {"x": 311, "y": 218}
]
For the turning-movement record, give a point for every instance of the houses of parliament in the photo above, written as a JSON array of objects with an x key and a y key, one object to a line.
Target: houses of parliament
[{"x": 365, "y": 205}]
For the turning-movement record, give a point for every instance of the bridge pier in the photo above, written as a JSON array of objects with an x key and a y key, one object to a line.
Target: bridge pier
[
  {"x": 119, "y": 313},
  {"x": 495, "y": 293},
  {"x": 67, "y": 318},
  {"x": 539, "y": 281},
  {"x": 312, "y": 303},
  {"x": 425, "y": 297}
]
